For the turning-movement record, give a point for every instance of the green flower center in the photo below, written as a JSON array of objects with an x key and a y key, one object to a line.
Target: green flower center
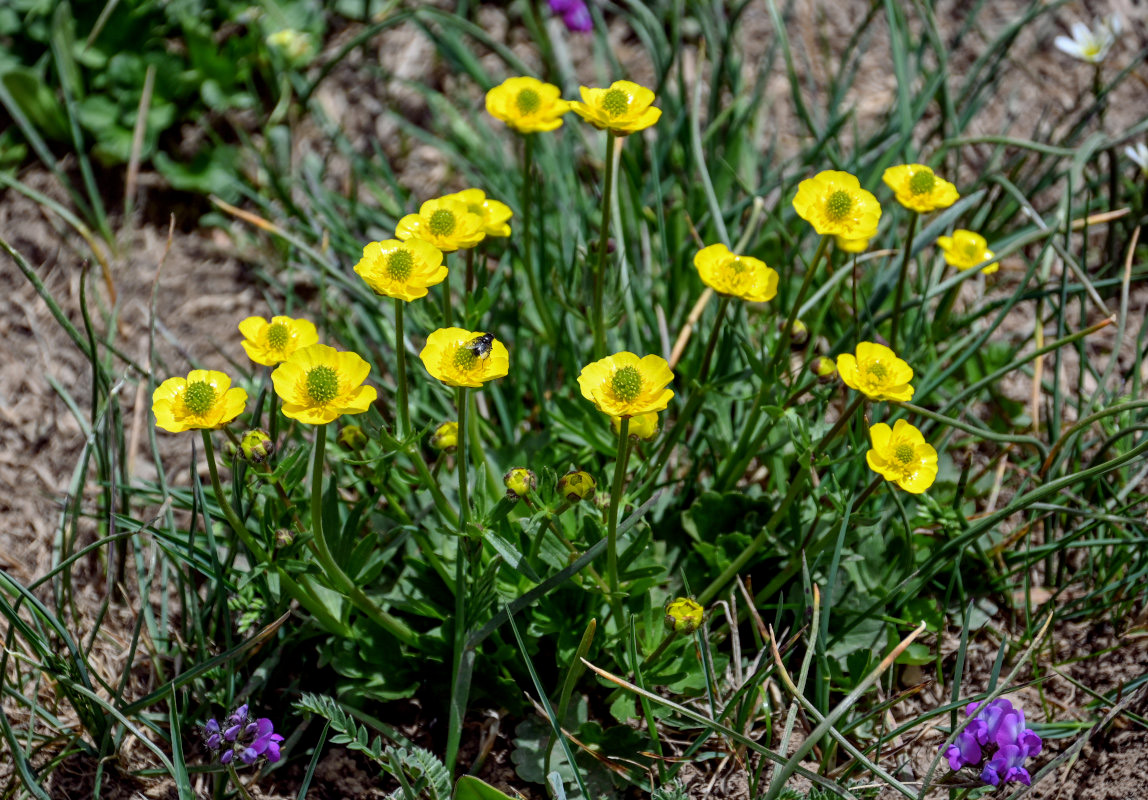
[
  {"x": 972, "y": 251},
  {"x": 464, "y": 358},
  {"x": 527, "y": 101},
  {"x": 400, "y": 263},
  {"x": 442, "y": 222},
  {"x": 627, "y": 384},
  {"x": 903, "y": 453},
  {"x": 615, "y": 102},
  {"x": 278, "y": 336},
  {"x": 199, "y": 397},
  {"x": 922, "y": 182},
  {"x": 838, "y": 205},
  {"x": 322, "y": 384},
  {"x": 878, "y": 370},
  {"x": 736, "y": 266}
]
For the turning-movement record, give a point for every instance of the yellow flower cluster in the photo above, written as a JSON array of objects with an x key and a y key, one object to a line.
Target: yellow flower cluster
[{"x": 528, "y": 105}]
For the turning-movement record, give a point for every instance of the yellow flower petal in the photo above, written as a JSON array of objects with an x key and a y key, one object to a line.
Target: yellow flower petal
[
  {"x": 527, "y": 104},
  {"x": 876, "y": 372},
  {"x": 203, "y": 400},
  {"x": 319, "y": 384},
  {"x": 450, "y": 355},
  {"x": 919, "y": 189},
  {"x": 834, "y": 203},
  {"x": 623, "y": 108},
  {"x": 624, "y": 385}
]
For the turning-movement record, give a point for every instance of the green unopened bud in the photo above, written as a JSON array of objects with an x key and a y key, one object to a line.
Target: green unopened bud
[
  {"x": 798, "y": 335},
  {"x": 684, "y": 615},
  {"x": 256, "y": 446},
  {"x": 519, "y": 482},
  {"x": 825, "y": 369},
  {"x": 445, "y": 437},
  {"x": 576, "y": 485},
  {"x": 284, "y": 537},
  {"x": 352, "y": 438}
]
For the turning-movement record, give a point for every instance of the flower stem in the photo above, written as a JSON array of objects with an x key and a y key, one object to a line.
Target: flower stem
[
  {"x": 787, "y": 331},
  {"x": 908, "y": 251},
  {"x": 401, "y": 369},
  {"x": 323, "y": 552},
  {"x": 612, "y": 523},
  {"x": 238, "y": 784},
  {"x": 458, "y": 698},
  {"x": 297, "y": 592},
  {"x": 703, "y": 373},
  {"x": 603, "y": 241}
]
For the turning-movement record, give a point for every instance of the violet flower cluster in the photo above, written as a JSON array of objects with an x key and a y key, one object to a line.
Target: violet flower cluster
[
  {"x": 574, "y": 13},
  {"x": 244, "y": 736},
  {"x": 996, "y": 742}
]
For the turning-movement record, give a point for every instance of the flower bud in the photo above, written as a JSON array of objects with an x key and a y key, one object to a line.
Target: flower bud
[
  {"x": 284, "y": 537},
  {"x": 642, "y": 426},
  {"x": 352, "y": 438},
  {"x": 256, "y": 446},
  {"x": 519, "y": 482},
  {"x": 445, "y": 437},
  {"x": 576, "y": 485},
  {"x": 798, "y": 335},
  {"x": 825, "y": 368},
  {"x": 684, "y": 615}
]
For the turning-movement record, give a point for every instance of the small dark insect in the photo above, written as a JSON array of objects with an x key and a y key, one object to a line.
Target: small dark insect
[{"x": 480, "y": 345}]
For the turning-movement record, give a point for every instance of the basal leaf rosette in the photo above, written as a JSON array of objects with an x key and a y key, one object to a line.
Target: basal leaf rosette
[
  {"x": 319, "y": 384},
  {"x": 736, "y": 276},
  {"x": 624, "y": 385},
  {"x": 834, "y": 203},
  {"x": 494, "y": 215},
  {"x": 623, "y": 108},
  {"x": 401, "y": 269},
  {"x": 877, "y": 373},
  {"x": 527, "y": 104},
  {"x": 919, "y": 189},
  {"x": 271, "y": 343},
  {"x": 900, "y": 454},
  {"x": 965, "y": 249},
  {"x": 203, "y": 400},
  {"x": 451, "y": 357},
  {"x": 445, "y": 222}
]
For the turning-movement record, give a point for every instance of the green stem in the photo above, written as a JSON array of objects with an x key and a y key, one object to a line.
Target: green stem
[
  {"x": 670, "y": 637},
  {"x": 908, "y": 252},
  {"x": 787, "y": 331},
  {"x": 401, "y": 368},
  {"x": 238, "y": 785},
  {"x": 457, "y": 702},
  {"x": 445, "y": 510},
  {"x": 838, "y": 426},
  {"x": 293, "y": 589},
  {"x": 986, "y": 433},
  {"x": 603, "y": 240},
  {"x": 612, "y": 523},
  {"x": 330, "y": 567},
  {"x": 704, "y": 372}
]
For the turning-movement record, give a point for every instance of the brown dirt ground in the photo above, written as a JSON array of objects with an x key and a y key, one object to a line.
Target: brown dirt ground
[{"x": 205, "y": 288}]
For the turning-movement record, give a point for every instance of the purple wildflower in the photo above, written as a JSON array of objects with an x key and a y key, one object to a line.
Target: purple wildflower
[
  {"x": 244, "y": 735},
  {"x": 574, "y": 13},
  {"x": 997, "y": 742}
]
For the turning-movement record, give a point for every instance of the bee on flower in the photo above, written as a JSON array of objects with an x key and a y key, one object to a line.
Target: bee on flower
[{"x": 463, "y": 358}]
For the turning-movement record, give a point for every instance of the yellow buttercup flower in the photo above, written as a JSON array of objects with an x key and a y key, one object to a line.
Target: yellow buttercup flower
[
  {"x": 494, "y": 215},
  {"x": 684, "y": 615},
  {"x": 736, "y": 276},
  {"x": 965, "y": 249},
  {"x": 901, "y": 455},
  {"x": 271, "y": 343},
  {"x": 851, "y": 245},
  {"x": 919, "y": 189},
  {"x": 401, "y": 269},
  {"x": 527, "y": 104},
  {"x": 622, "y": 109},
  {"x": 202, "y": 400},
  {"x": 834, "y": 204},
  {"x": 623, "y": 385},
  {"x": 459, "y": 357},
  {"x": 643, "y": 426},
  {"x": 877, "y": 373},
  {"x": 319, "y": 384},
  {"x": 445, "y": 222}
]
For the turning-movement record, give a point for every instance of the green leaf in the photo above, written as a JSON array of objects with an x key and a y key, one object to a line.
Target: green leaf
[{"x": 471, "y": 788}]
